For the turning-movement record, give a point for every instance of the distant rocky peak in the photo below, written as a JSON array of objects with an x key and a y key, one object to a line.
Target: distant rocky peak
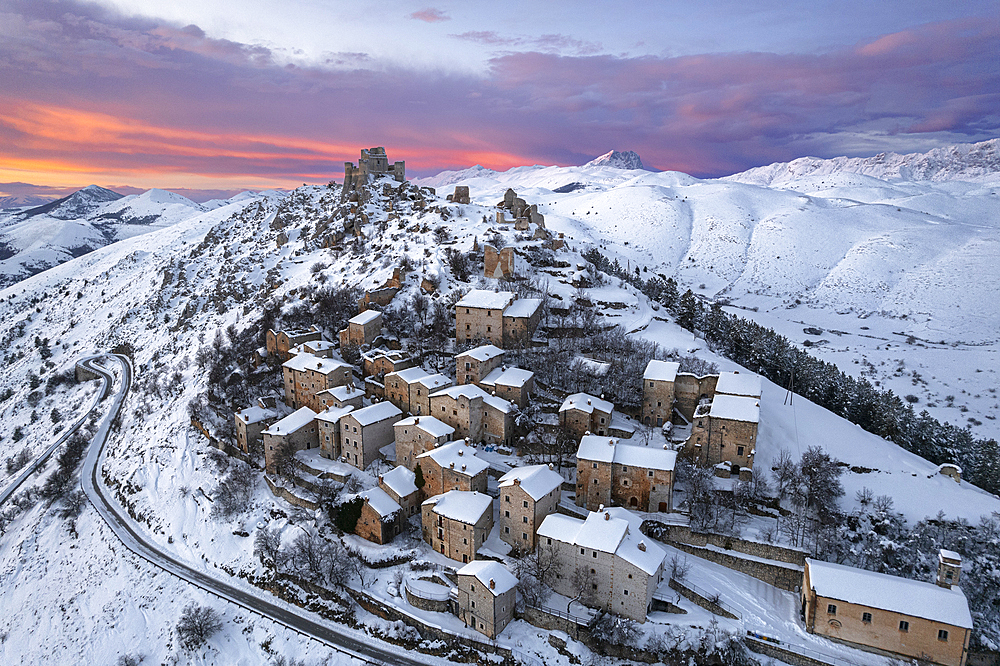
[{"x": 625, "y": 159}]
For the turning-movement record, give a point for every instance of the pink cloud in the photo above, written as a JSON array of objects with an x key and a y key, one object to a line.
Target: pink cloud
[{"x": 430, "y": 15}]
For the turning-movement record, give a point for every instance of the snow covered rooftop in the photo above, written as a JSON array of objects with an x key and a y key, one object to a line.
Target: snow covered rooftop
[
  {"x": 293, "y": 422},
  {"x": 379, "y": 500},
  {"x": 611, "y": 449},
  {"x": 508, "y": 377},
  {"x": 661, "y": 371},
  {"x": 739, "y": 383},
  {"x": 536, "y": 480},
  {"x": 586, "y": 403},
  {"x": 471, "y": 392},
  {"x": 341, "y": 393},
  {"x": 364, "y": 317},
  {"x": 892, "y": 593},
  {"x": 314, "y": 346},
  {"x": 736, "y": 408},
  {"x": 433, "y": 382},
  {"x": 485, "y": 299},
  {"x": 461, "y": 505},
  {"x": 457, "y": 455},
  {"x": 380, "y": 411},
  {"x": 334, "y": 414},
  {"x": 641, "y": 552},
  {"x": 523, "y": 307},
  {"x": 482, "y": 353},
  {"x": 432, "y": 426},
  {"x": 255, "y": 414},
  {"x": 493, "y": 575},
  {"x": 302, "y": 362},
  {"x": 400, "y": 481},
  {"x": 604, "y": 532}
]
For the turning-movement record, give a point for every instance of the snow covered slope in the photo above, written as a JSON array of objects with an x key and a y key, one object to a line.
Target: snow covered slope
[{"x": 626, "y": 159}]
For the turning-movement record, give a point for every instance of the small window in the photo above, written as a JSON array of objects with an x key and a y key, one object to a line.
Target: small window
[
  {"x": 524, "y": 536},
  {"x": 626, "y": 593},
  {"x": 831, "y": 609},
  {"x": 904, "y": 626},
  {"x": 525, "y": 502},
  {"x": 866, "y": 618},
  {"x": 650, "y": 384},
  {"x": 739, "y": 450},
  {"x": 524, "y": 519},
  {"x": 506, "y": 530},
  {"x": 548, "y": 541},
  {"x": 942, "y": 634},
  {"x": 506, "y": 498},
  {"x": 506, "y": 514},
  {"x": 595, "y": 553},
  {"x": 649, "y": 473},
  {"x": 582, "y": 551},
  {"x": 595, "y": 465}
]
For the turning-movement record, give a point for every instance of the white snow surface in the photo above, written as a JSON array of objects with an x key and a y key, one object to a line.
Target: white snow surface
[
  {"x": 495, "y": 576},
  {"x": 739, "y": 383},
  {"x": 736, "y": 408},
  {"x": 461, "y": 505},
  {"x": 536, "y": 480}
]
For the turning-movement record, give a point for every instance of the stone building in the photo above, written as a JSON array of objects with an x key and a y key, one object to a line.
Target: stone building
[
  {"x": 725, "y": 431},
  {"x": 527, "y": 495},
  {"x": 612, "y": 473},
  {"x": 280, "y": 343},
  {"x": 691, "y": 391},
  {"x": 457, "y": 523},
  {"x": 297, "y": 430},
  {"x": 340, "y": 396},
  {"x": 381, "y": 517},
  {"x": 745, "y": 384},
  {"x": 380, "y": 362},
  {"x": 251, "y": 424},
  {"x": 604, "y": 561},
  {"x": 498, "y": 264},
  {"x": 321, "y": 348},
  {"x": 887, "y": 614},
  {"x": 410, "y": 389},
  {"x": 418, "y": 434},
  {"x": 658, "y": 392},
  {"x": 474, "y": 414},
  {"x": 328, "y": 428},
  {"x": 453, "y": 466},
  {"x": 473, "y": 365},
  {"x": 365, "y": 431},
  {"x": 306, "y": 375},
  {"x": 486, "y": 595},
  {"x": 512, "y": 384},
  {"x": 373, "y": 164},
  {"x": 496, "y": 317},
  {"x": 362, "y": 329},
  {"x": 400, "y": 485},
  {"x": 461, "y": 195},
  {"x": 421, "y": 390},
  {"x": 581, "y": 413}
]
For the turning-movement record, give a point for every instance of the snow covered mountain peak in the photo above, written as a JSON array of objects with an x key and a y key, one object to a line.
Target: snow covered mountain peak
[
  {"x": 76, "y": 205},
  {"x": 626, "y": 159}
]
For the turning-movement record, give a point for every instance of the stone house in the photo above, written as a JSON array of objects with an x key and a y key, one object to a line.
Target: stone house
[
  {"x": 365, "y": 431},
  {"x": 457, "y": 523},
  {"x": 745, "y": 384},
  {"x": 610, "y": 472},
  {"x": 527, "y": 495},
  {"x": 658, "y": 392},
  {"x": 453, "y": 466},
  {"x": 400, "y": 485},
  {"x": 340, "y": 396},
  {"x": 461, "y": 195},
  {"x": 362, "y": 329},
  {"x": 474, "y": 414},
  {"x": 328, "y": 427},
  {"x": 421, "y": 390},
  {"x": 725, "y": 431},
  {"x": 321, "y": 348},
  {"x": 486, "y": 596},
  {"x": 380, "y": 362},
  {"x": 887, "y": 614},
  {"x": 280, "y": 343},
  {"x": 605, "y": 561},
  {"x": 381, "y": 517},
  {"x": 690, "y": 391},
  {"x": 306, "y": 375},
  {"x": 298, "y": 430},
  {"x": 581, "y": 413},
  {"x": 418, "y": 434},
  {"x": 496, "y": 317},
  {"x": 472, "y": 366},
  {"x": 512, "y": 384},
  {"x": 410, "y": 389},
  {"x": 251, "y": 424}
]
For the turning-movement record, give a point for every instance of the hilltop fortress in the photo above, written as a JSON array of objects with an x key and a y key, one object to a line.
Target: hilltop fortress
[{"x": 372, "y": 164}]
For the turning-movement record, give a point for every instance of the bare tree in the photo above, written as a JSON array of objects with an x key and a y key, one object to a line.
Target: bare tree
[
  {"x": 534, "y": 572},
  {"x": 197, "y": 624},
  {"x": 267, "y": 548}
]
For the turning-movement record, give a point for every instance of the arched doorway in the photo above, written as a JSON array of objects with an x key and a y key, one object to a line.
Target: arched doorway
[{"x": 633, "y": 501}]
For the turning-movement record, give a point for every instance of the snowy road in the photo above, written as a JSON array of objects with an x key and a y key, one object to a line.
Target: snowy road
[{"x": 362, "y": 648}]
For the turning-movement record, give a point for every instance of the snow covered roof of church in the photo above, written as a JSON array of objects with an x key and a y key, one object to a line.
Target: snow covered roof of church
[
  {"x": 739, "y": 383},
  {"x": 523, "y": 307},
  {"x": 255, "y": 414},
  {"x": 486, "y": 571},
  {"x": 293, "y": 422},
  {"x": 303, "y": 362},
  {"x": 432, "y": 426},
  {"x": 611, "y": 449},
  {"x": 736, "y": 408},
  {"x": 380, "y": 500},
  {"x": 536, "y": 480},
  {"x": 661, "y": 371},
  {"x": 508, "y": 377},
  {"x": 892, "y": 593},
  {"x": 364, "y": 317},
  {"x": 457, "y": 455},
  {"x": 334, "y": 414},
  {"x": 482, "y": 353},
  {"x": 606, "y": 533},
  {"x": 586, "y": 403},
  {"x": 380, "y": 411},
  {"x": 400, "y": 481},
  {"x": 485, "y": 299},
  {"x": 461, "y": 505}
]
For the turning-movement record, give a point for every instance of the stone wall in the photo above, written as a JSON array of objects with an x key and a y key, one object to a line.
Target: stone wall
[
  {"x": 781, "y": 654},
  {"x": 289, "y": 496},
  {"x": 688, "y": 389},
  {"x": 542, "y": 619},
  {"x": 498, "y": 264},
  {"x": 782, "y": 576},
  {"x": 683, "y": 534},
  {"x": 696, "y": 598}
]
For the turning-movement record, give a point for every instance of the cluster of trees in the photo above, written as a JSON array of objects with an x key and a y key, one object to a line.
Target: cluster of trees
[
  {"x": 310, "y": 556},
  {"x": 879, "y": 411},
  {"x": 58, "y": 485}
]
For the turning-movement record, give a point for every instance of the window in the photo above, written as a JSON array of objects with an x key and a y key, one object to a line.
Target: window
[
  {"x": 626, "y": 593},
  {"x": 506, "y": 530},
  {"x": 904, "y": 626},
  {"x": 650, "y": 384},
  {"x": 649, "y": 473},
  {"x": 524, "y": 519},
  {"x": 524, "y": 536},
  {"x": 595, "y": 465},
  {"x": 525, "y": 502},
  {"x": 942, "y": 634},
  {"x": 506, "y": 514},
  {"x": 506, "y": 498},
  {"x": 739, "y": 450},
  {"x": 866, "y": 618},
  {"x": 548, "y": 541},
  {"x": 595, "y": 553},
  {"x": 831, "y": 609},
  {"x": 659, "y": 404}
]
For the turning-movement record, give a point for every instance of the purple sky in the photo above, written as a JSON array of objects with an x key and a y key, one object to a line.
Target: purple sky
[{"x": 225, "y": 96}]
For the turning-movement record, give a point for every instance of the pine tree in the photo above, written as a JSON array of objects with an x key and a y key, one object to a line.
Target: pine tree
[{"x": 418, "y": 477}]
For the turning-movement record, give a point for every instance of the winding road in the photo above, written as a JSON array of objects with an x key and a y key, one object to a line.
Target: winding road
[{"x": 366, "y": 650}]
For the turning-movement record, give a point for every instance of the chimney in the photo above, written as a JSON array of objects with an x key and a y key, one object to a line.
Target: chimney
[
  {"x": 552, "y": 467},
  {"x": 463, "y": 468},
  {"x": 493, "y": 584},
  {"x": 607, "y": 516},
  {"x": 452, "y": 465},
  {"x": 517, "y": 481},
  {"x": 588, "y": 401},
  {"x": 380, "y": 478},
  {"x": 416, "y": 420},
  {"x": 642, "y": 546},
  {"x": 460, "y": 452},
  {"x": 736, "y": 372}
]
